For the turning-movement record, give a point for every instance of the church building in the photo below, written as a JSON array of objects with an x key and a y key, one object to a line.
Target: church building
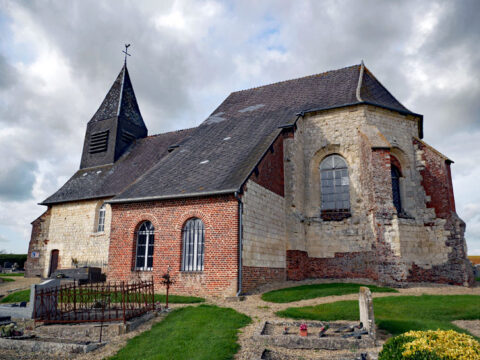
[{"x": 325, "y": 176}]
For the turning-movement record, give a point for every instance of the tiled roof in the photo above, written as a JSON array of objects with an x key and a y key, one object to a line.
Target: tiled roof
[
  {"x": 219, "y": 155},
  {"x": 222, "y": 152},
  {"x": 109, "y": 180}
]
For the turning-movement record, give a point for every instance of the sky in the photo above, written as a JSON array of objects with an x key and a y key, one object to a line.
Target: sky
[{"x": 59, "y": 58}]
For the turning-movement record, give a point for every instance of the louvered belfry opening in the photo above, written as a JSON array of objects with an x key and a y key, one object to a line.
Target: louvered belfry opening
[
  {"x": 193, "y": 253},
  {"x": 98, "y": 142},
  {"x": 127, "y": 137}
]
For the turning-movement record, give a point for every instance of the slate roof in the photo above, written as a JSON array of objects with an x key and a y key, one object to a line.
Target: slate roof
[
  {"x": 219, "y": 155},
  {"x": 120, "y": 101},
  {"x": 222, "y": 152},
  {"x": 109, "y": 180}
]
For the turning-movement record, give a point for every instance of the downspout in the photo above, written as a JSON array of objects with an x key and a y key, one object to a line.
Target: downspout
[{"x": 240, "y": 243}]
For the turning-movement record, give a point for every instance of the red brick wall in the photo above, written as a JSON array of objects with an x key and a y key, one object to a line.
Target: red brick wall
[
  {"x": 270, "y": 169},
  {"x": 253, "y": 277},
  {"x": 220, "y": 217},
  {"x": 437, "y": 181},
  {"x": 344, "y": 265}
]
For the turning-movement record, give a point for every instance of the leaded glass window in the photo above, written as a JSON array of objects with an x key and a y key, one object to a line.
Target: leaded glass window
[
  {"x": 397, "y": 201},
  {"x": 335, "y": 186},
  {"x": 193, "y": 235},
  {"x": 145, "y": 246},
  {"x": 101, "y": 218}
]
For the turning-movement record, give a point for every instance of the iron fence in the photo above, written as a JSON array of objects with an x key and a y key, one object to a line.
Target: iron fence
[{"x": 95, "y": 302}]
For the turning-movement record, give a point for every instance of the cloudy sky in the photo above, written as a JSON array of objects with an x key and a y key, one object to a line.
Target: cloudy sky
[{"x": 59, "y": 58}]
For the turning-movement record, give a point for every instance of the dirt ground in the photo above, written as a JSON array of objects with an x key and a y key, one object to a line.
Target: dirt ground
[
  {"x": 20, "y": 283},
  {"x": 260, "y": 311}
]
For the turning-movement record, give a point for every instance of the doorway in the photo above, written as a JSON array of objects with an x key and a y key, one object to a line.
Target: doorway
[{"x": 53, "y": 262}]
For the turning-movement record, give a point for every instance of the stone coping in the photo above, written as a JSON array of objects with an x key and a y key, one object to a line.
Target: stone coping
[
  {"x": 48, "y": 346},
  {"x": 333, "y": 341}
]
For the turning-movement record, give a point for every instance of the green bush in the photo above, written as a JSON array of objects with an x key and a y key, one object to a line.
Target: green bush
[{"x": 13, "y": 258}]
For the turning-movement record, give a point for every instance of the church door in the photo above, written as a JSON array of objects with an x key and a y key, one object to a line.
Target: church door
[{"x": 53, "y": 262}]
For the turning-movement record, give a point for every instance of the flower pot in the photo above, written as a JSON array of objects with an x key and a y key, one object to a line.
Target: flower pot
[{"x": 304, "y": 332}]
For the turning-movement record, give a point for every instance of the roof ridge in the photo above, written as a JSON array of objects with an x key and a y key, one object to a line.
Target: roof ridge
[
  {"x": 384, "y": 88},
  {"x": 360, "y": 80},
  {"x": 299, "y": 78},
  {"x": 171, "y": 132}
]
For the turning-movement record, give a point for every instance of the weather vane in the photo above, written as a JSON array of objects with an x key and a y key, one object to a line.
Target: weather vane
[{"x": 126, "y": 52}]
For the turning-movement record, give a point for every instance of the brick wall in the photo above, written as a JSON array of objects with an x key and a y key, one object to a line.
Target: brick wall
[
  {"x": 40, "y": 227},
  {"x": 269, "y": 172},
  {"x": 220, "y": 217},
  {"x": 254, "y": 276},
  {"x": 436, "y": 180}
]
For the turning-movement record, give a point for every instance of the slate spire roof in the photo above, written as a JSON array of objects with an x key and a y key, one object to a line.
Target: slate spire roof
[
  {"x": 120, "y": 101},
  {"x": 218, "y": 156}
]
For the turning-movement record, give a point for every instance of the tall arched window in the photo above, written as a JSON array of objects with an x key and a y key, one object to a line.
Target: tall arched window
[
  {"x": 101, "y": 218},
  {"x": 396, "y": 175},
  {"x": 145, "y": 242},
  {"x": 335, "y": 189},
  {"x": 193, "y": 235}
]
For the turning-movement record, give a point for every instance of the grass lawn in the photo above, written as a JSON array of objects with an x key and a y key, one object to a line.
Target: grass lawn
[
  {"x": 18, "y": 296},
  {"x": 24, "y": 295},
  {"x": 6, "y": 279},
  {"x": 192, "y": 333},
  {"x": 11, "y": 274},
  {"x": 398, "y": 314},
  {"x": 304, "y": 292}
]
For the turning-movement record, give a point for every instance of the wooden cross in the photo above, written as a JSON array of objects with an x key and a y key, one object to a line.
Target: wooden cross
[{"x": 126, "y": 52}]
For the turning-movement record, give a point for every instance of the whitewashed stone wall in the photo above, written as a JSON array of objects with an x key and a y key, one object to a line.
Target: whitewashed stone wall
[
  {"x": 72, "y": 231},
  {"x": 264, "y": 239}
]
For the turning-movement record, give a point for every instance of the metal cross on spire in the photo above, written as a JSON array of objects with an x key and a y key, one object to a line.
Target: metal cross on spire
[{"x": 126, "y": 52}]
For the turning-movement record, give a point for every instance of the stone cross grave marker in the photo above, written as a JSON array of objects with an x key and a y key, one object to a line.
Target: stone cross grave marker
[{"x": 365, "y": 303}]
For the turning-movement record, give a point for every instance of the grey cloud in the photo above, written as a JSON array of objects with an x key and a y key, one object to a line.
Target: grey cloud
[
  {"x": 8, "y": 74},
  {"x": 16, "y": 182}
]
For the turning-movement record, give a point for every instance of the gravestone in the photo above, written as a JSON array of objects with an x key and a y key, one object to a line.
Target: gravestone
[
  {"x": 47, "y": 304},
  {"x": 365, "y": 303}
]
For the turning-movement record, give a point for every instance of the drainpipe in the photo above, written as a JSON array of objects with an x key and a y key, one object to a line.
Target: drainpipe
[{"x": 240, "y": 245}]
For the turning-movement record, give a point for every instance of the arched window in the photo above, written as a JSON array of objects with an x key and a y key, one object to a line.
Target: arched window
[
  {"x": 335, "y": 189},
  {"x": 193, "y": 235},
  {"x": 145, "y": 242},
  {"x": 396, "y": 175},
  {"x": 101, "y": 218}
]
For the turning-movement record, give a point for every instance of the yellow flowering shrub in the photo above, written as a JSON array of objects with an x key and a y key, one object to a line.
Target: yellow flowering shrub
[
  {"x": 446, "y": 344},
  {"x": 440, "y": 344}
]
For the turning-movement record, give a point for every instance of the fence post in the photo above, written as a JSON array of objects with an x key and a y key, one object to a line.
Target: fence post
[
  {"x": 123, "y": 301},
  {"x": 74, "y": 301}
]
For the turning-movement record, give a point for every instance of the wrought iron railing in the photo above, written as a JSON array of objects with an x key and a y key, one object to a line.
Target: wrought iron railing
[{"x": 95, "y": 302}]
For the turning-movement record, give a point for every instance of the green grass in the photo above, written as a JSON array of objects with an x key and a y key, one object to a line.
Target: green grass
[
  {"x": 477, "y": 279},
  {"x": 192, "y": 333},
  {"x": 12, "y": 274},
  {"x": 317, "y": 290},
  {"x": 24, "y": 295},
  {"x": 18, "y": 296},
  {"x": 398, "y": 314},
  {"x": 6, "y": 279}
]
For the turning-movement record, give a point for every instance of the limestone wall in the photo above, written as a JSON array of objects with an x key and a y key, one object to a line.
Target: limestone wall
[
  {"x": 72, "y": 231},
  {"x": 264, "y": 242}
]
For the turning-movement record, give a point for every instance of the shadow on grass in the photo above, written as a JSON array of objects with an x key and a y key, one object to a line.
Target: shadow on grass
[{"x": 203, "y": 332}]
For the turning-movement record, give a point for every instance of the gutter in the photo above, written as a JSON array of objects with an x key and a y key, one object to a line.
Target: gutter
[
  {"x": 174, "y": 196},
  {"x": 240, "y": 242}
]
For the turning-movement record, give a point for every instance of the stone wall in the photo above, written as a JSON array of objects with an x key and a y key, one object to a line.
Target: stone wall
[
  {"x": 422, "y": 243},
  {"x": 220, "y": 217},
  {"x": 72, "y": 231}
]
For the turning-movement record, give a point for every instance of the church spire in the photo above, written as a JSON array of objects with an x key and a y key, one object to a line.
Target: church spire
[{"x": 115, "y": 125}]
